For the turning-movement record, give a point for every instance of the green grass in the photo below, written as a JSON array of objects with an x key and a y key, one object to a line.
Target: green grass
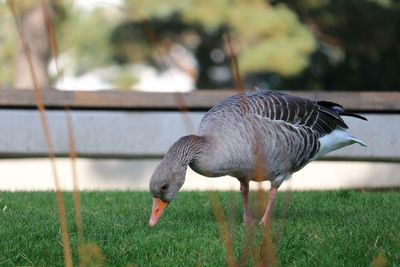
[{"x": 343, "y": 228}]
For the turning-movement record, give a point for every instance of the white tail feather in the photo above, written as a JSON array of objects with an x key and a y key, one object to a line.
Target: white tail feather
[
  {"x": 358, "y": 141},
  {"x": 336, "y": 140}
]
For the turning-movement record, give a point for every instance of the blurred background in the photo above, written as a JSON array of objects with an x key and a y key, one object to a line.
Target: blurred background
[
  {"x": 181, "y": 46},
  {"x": 141, "y": 45}
]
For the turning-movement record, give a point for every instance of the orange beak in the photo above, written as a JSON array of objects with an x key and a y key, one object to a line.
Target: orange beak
[{"x": 157, "y": 210}]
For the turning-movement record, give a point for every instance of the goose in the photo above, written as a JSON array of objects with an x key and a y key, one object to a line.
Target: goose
[{"x": 254, "y": 136}]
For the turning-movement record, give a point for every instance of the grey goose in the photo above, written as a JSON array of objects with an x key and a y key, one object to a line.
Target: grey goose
[{"x": 253, "y": 137}]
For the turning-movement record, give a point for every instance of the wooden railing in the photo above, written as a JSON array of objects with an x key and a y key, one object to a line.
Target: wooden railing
[{"x": 370, "y": 102}]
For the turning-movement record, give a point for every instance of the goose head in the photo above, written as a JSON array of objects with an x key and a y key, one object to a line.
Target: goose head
[
  {"x": 169, "y": 175},
  {"x": 165, "y": 182}
]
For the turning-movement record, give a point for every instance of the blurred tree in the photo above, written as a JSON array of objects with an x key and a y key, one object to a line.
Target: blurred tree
[
  {"x": 280, "y": 44},
  {"x": 84, "y": 36},
  {"x": 151, "y": 42},
  {"x": 81, "y": 37},
  {"x": 8, "y": 40},
  {"x": 34, "y": 30},
  {"x": 36, "y": 18},
  {"x": 359, "y": 45},
  {"x": 268, "y": 38}
]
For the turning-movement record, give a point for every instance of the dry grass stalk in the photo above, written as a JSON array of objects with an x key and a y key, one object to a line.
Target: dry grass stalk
[
  {"x": 180, "y": 101},
  {"x": 233, "y": 64},
  {"x": 71, "y": 139},
  {"x": 75, "y": 184},
  {"x": 226, "y": 235},
  {"x": 44, "y": 121},
  {"x": 51, "y": 35},
  {"x": 266, "y": 255}
]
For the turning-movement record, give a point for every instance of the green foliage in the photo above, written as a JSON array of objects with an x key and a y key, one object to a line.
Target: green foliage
[
  {"x": 8, "y": 41},
  {"x": 280, "y": 55},
  {"x": 125, "y": 79},
  {"x": 270, "y": 38},
  {"x": 140, "y": 10},
  {"x": 384, "y": 3},
  {"x": 343, "y": 228},
  {"x": 277, "y": 41},
  {"x": 85, "y": 37},
  {"x": 9, "y": 37},
  {"x": 210, "y": 14},
  {"x": 364, "y": 34}
]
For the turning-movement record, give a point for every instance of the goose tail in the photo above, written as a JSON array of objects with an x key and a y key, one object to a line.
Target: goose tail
[
  {"x": 337, "y": 139},
  {"x": 358, "y": 141},
  {"x": 355, "y": 115},
  {"x": 338, "y": 109}
]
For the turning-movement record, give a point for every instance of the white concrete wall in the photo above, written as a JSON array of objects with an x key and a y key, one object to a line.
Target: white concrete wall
[
  {"x": 150, "y": 134},
  {"x": 100, "y": 174}
]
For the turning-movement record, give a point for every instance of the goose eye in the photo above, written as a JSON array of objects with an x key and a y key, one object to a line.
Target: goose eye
[{"x": 164, "y": 187}]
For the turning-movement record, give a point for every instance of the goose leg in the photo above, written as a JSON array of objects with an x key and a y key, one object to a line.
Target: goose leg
[
  {"x": 244, "y": 189},
  {"x": 266, "y": 219}
]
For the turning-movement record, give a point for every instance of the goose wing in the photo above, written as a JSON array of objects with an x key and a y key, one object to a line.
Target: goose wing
[
  {"x": 287, "y": 147},
  {"x": 323, "y": 117}
]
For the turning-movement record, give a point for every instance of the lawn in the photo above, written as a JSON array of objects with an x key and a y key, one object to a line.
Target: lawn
[{"x": 343, "y": 228}]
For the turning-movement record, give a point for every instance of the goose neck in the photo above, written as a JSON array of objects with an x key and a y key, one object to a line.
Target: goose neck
[{"x": 186, "y": 149}]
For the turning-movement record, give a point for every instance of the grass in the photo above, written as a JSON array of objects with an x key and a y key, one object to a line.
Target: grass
[{"x": 344, "y": 228}]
